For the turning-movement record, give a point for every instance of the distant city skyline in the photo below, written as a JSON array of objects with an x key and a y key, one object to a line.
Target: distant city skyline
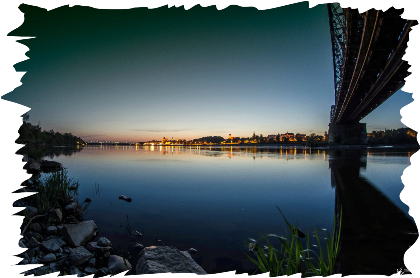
[{"x": 138, "y": 75}]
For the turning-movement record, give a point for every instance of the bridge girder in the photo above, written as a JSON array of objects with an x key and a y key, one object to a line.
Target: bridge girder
[{"x": 367, "y": 55}]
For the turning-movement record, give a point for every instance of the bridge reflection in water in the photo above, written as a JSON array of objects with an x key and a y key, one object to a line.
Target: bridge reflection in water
[{"x": 375, "y": 233}]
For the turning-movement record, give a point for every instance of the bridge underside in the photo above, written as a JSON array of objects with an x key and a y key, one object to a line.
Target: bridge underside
[{"x": 368, "y": 66}]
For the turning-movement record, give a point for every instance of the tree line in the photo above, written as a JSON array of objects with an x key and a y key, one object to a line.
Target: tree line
[
  {"x": 403, "y": 135},
  {"x": 32, "y": 135}
]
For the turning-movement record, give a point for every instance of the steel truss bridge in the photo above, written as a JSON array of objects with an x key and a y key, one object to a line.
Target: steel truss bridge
[{"x": 367, "y": 54}]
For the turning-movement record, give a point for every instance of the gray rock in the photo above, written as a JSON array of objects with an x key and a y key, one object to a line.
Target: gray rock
[
  {"x": 117, "y": 264},
  {"x": 24, "y": 261},
  {"x": 32, "y": 252},
  {"x": 55, "y": 267},
  {"x": 52, "y": 230},
  {"x": 34, "y": 261},
  {"x": 32, "y": 165},
  {"x": 48, "y": 258},
  {"x": 42, "y": 270},
  {"x": 37, "y": 236},
  {"x": 95, "y": 248},
  {"x": 21, "y": 244},
  {"x": 52, "y": 245},
  {"x": 59, "y": 228},
  {"x": 74, "y": 208},
  {"x": 100, "y": 273},
  {"x": 79, "y": 256},
  {"x": 36, "y": 227},
  {"x": 105, "y": 270},
  {"x": 163, "y": 259},
  {"x": 192, "y": 251},
  {"x": 104, "y": 242},
  {"x": 75, "y": 271},
  {"x": 92, "y": 263},
  {"x": 32, "y": 243},
  {"x": 90, "y": 270},
  {"x": 79, "y": 234},
  {"x": 138, "y": 246}
]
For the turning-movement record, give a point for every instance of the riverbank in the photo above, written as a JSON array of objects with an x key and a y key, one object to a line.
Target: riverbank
[{"x": 62, "y": 240}]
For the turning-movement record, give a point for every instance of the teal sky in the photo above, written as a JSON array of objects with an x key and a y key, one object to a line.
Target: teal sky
[{"x": 140, "y": 74}]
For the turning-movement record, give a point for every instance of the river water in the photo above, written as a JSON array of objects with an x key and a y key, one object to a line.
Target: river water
[{"x": 214, "y": 199}]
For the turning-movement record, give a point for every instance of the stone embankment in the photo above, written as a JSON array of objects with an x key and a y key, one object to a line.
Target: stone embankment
[{"x": 64, "y": 242}]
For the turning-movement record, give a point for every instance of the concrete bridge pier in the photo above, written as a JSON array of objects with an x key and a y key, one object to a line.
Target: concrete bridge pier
[{"x": 353, "y": 134}]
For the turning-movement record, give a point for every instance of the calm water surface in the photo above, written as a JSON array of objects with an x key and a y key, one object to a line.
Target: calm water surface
[{"x": 214, "y": 199}]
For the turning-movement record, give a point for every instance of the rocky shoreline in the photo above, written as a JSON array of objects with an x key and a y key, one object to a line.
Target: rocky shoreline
[{"x": 64, "y": 242}]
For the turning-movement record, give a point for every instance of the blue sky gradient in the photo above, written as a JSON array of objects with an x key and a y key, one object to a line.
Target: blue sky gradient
[{"x": 140, "y": 74}]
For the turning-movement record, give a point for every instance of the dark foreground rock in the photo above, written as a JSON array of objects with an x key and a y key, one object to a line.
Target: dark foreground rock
[
  {"x": 163, "y": 259},
  {"x": 117, "y": 264},
  {"x": 79, "y": 234}
]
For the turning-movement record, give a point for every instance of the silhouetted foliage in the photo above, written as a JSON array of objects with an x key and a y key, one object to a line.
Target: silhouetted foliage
[
  {"x": 32, "y": 135},
  {"x": 393, "y": 136}
]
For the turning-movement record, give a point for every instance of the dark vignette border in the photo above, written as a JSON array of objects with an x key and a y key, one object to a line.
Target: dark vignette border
[{"x": 14, "y": 52}]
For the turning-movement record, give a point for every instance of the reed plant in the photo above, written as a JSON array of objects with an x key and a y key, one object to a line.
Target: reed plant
[
  {"x": 55, "y": 190},
  {"x": 291, "y": 257}
]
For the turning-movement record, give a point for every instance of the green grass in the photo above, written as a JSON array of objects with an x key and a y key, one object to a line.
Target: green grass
[
  {"x": 54, "y": 190},
  {"x": 291, "y": 257}
]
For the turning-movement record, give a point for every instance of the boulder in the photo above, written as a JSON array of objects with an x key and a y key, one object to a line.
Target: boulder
[
  {"x": 36, "y": 227},
  {"x": 90, "y": 270},
  {"x": 104, "y": 242},
  {"x": 52, "y": 245},
  {"x": 75, "y": 271},
  {"x": 32, "y": 243},
  {"x": 74, "y": 208},
  {"x": 51, "y": 230},
  {"x": 117, "y": 264},
  {"x": 95, "y": 248},
  {"x": 163, "y": 259},
  {"x": 79, "y": 234},
  {"x": 32, "y": 165},
  {"x": 79, "y": 255},
  {"x": 25, "y": 158},
  {"x": 92, "y": 263},
  {"x": 100, "y": 273},
  {"x": 48, "y": 258}
]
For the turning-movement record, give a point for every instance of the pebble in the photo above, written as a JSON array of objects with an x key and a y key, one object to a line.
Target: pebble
[
  {"x": 138, "y": 246},
  {"x": 136, "y": 233}
]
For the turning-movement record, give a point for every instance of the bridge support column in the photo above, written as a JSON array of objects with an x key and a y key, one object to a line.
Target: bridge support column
[{"x": 352, "y": 134}]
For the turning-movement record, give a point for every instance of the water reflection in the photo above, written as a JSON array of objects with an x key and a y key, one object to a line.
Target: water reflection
[
  {"x": 375, "y": 232},
  {"x": 235, "y": 189}
]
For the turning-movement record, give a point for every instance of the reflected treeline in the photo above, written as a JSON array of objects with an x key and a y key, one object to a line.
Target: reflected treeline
[
  {"x": 40, "y": 152},
  {"x": 375, "y": 233}
]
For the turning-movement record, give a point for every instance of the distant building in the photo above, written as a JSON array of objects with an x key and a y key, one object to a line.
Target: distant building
[
  {"x": 300, "y": 137},
  {"x": 232, "y": 140},
  {"x": 287, "y": 137}
]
